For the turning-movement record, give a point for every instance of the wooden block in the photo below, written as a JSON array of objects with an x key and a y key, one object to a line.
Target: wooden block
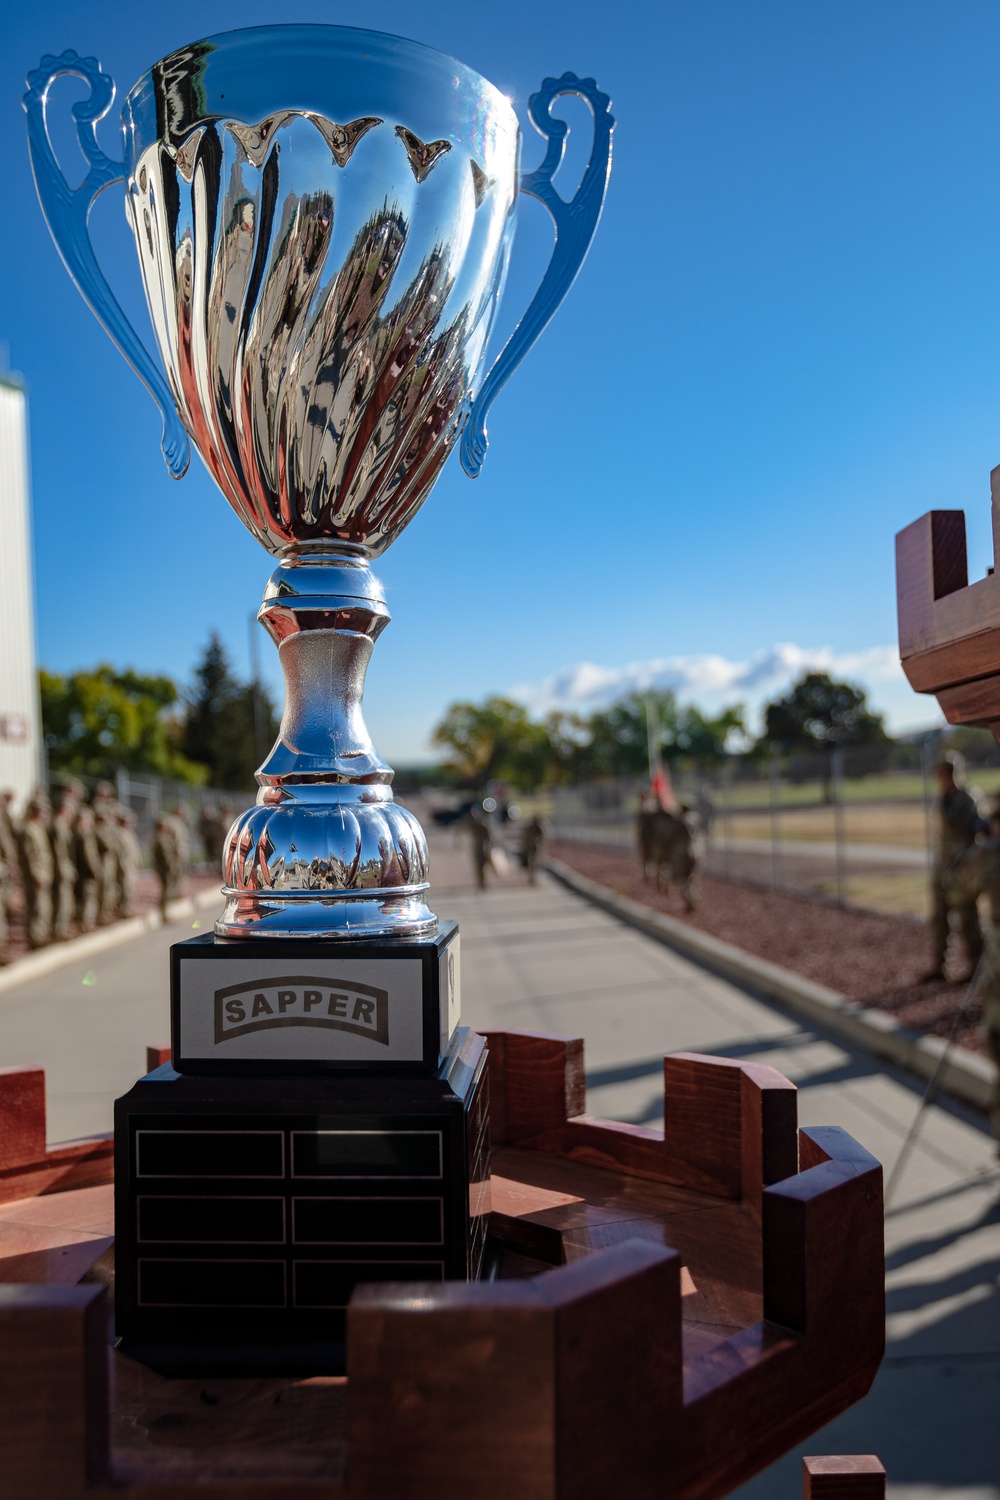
[
  {"x": 949, "y": 630},
  {"x": 729, "y": 1127},
  {"x": 541, "y": 1079},
  {"x": 823, "y": 1244},
  {"x": 520, "y": 1389},
  {"x": 619, "y": 1400},
  {"x": 53, "y": 1390},
  {"x": 857, "y": 1476},
  {"x": 156, "y": 1057},
  {"x": 975, "y": 703},
  {"x": 451, "y": 1391},
  {"x": 76, "y": 1164},
  {"x": 22, "y": 1116}
]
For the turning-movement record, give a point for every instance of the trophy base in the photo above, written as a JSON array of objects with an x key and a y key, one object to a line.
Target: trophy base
[
  {"x": 295, "y": 1007},
  {"x": 342, "y": 915},
  {"x": 247, "y": 1210}
]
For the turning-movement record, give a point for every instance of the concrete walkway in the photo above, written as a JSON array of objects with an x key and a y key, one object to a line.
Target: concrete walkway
[{"x": 544, "y": 959}]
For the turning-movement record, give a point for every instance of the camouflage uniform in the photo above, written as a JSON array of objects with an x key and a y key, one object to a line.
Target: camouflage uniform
[
  {"x": 37, "y": 870},
  {"x": 89, "y": 871},
  {"x": 977, "y": 873},
  {"x": 8, "y": 834},
  {"x": 958, "y": 823},
  {"x": 106, "y": 830},
  {"x": 482, "y": 848},
  {"x": 129, "y": 862},
  {"x": 168, "y": 861},
  {"x": 531, "y": 844},
  {"x": 62, "y": 836}
]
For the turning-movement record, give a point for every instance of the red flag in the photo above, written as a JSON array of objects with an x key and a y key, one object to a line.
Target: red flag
[{"x": 662, "y": 788}]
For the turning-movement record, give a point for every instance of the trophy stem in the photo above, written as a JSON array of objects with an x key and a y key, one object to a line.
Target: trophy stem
[{"x": 325, "y": 852}]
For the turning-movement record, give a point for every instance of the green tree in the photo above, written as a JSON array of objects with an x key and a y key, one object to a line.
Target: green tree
[
  {"x": 219, "y": 729},
  {"x": 819, "y": 713},
  {"x": 618, "y": 737},
  {"x": 95, "y": 722},
  {"x": 495, "y": 739}
]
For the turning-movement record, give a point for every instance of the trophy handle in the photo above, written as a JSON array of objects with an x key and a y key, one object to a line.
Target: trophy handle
[
  {"x": 67, "y": 211},
  {"x": 575, "y": 223}
]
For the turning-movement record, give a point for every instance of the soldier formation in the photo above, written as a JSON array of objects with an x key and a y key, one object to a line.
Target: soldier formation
[
  {"x": 77, "y": 862},
  {"x": 668, "y": 843}
]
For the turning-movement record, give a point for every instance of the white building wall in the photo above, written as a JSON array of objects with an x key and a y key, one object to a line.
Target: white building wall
[{"x": 20, "y": 719}]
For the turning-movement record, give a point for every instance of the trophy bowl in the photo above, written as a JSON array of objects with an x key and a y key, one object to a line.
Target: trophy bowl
[{"x": 323, "y": 218}]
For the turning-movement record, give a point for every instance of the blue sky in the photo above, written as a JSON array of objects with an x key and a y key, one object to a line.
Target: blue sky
[{"x": 780, "y": 350}]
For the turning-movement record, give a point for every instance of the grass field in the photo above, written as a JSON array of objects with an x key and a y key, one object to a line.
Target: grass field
[
  {"x": 897, "y": 787},
  {"x": 903, "y": 824}
]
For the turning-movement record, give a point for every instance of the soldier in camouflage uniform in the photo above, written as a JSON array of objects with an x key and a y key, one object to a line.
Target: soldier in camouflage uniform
[
  {"x": 958, "y": 824},
  {"x": 168, "y": 859},
  {"x": 106, "y": 808},
  {"x": 37, "y": 870},
  {"x": 8, "y": 833},
  {"x": 62, "y": 836},
  {"x": 977, "y": 873},
  {"x": 89, "y": 870},
  {"x": 129, "y": 861}
]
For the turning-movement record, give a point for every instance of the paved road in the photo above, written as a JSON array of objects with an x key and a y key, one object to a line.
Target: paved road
[{"x": 541, "y": 958}]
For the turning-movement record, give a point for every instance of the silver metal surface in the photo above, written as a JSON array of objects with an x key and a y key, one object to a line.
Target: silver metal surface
[{"x": 323, "y": 218}]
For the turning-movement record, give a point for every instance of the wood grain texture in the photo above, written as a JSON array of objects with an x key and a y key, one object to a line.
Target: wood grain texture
[
  {"x": 949, "y": 630},
  {"x": 22, "y": 1116},
  {"x": 53, "y": 1389},
  {"x": 681, "y": 1340},
  {"x": 536, "y": 1083},
  {"x": 823, "y": 1244},
  {"x": 523, "y": 1389},
  {"x": 75, "y": 1164},
  {"x": 858, "y": 1476}
]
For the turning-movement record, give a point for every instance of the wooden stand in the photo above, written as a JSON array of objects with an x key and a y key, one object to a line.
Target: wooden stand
[
  {"x": 949, "y": 629},
  {"x": 671, "y": 1313}
]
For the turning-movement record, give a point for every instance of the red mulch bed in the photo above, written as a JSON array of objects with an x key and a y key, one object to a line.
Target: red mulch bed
[{"x": 864, "y": 955}]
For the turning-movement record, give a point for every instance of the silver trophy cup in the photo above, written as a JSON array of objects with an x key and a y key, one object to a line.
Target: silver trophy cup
[{"x": 323, "y": 218}]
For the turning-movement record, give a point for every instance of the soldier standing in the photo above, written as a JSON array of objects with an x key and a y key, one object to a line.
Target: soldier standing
[
  {"x": 168, "y": 860},
  {"x": 37, "y": 869},
  {"x": 977, "y": 873},
  {"x": 62, "y": 836},
  {"x": 106, "y": 833},
  {"x": 531, "y": 845},
  {"x": 129, "y": 861},
  {"x": 8, "y": 833},
  {"x": 89, "y": 871},
  {"x": 958, "y": 824},
  {"x": 482, "y": 846}
]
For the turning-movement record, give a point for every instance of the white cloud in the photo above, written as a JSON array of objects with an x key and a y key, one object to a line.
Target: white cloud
[{"x": 712, "y": 680}]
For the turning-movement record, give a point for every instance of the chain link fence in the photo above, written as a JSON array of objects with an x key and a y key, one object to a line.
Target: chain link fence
[
  {"x": 150, "y": 796},
  {"x": 854, "y": 825}
]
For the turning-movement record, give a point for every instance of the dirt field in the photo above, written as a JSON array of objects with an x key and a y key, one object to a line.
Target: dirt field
[{"x": 868, "y": 956}]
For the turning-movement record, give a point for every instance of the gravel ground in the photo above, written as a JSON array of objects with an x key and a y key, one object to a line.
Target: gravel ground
[{"x": 864, "y": 955}]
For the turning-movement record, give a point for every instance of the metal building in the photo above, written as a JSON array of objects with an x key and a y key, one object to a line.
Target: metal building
[{"x": 20, "y": 717}]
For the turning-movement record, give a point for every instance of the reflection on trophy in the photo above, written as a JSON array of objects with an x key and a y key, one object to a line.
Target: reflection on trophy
[{"x": 323, "y": 219}]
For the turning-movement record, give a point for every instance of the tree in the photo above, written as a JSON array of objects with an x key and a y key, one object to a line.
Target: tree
[
  {"x": 820, "y": 714},
  {"x": 95, "y": 722},
  {"x": 219, "y": 726},
  {"x": 494, "y": 740},
  {"x": 618, "y": 738}
]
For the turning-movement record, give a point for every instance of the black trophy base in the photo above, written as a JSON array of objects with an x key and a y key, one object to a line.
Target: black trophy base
[{"x": 247, "y": 1210}]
